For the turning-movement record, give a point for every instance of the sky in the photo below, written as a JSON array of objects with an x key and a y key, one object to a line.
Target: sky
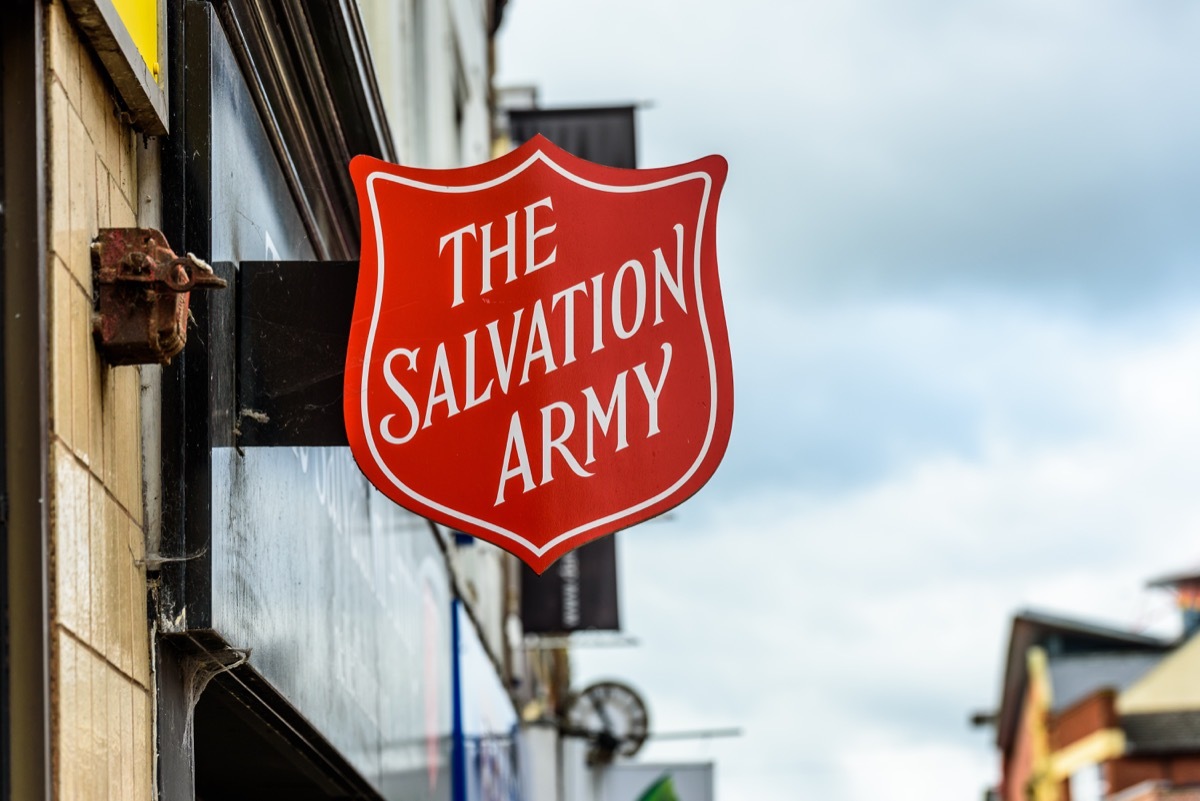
[{"x": 958, "y": 250}]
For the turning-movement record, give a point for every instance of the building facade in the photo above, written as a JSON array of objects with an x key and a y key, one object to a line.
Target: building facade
[
  {"x": 1090, "y": 712},
  {"x": 204, "y": 600}
]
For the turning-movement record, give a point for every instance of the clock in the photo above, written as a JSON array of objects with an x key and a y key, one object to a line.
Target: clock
[{"x": 612, "y": 716}]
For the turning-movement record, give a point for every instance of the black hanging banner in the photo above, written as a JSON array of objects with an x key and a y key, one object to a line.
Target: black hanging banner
[
  {"x": 576, "y": 593},
  {"x": 601, "y": 135},
  {"x": 579, "y": 592}
]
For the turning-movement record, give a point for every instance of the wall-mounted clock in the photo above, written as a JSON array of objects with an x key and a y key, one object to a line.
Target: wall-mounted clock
[{"x": 612, "y": 716}]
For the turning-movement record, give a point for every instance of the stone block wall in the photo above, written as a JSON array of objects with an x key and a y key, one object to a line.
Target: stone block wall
[{"x": 102, "y": 715}]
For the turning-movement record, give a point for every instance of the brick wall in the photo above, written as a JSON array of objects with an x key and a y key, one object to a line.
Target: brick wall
[
  {"x": 1094, "y": 713},
  {"x": 103, "y": 704},
  {"x": 1157, "y": 791},
  {"x": 1172, "y": 770}
]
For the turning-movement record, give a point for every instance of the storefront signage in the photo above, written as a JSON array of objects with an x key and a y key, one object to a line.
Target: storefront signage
[
  {"x": 126, "y": 37},
  {"x": 538, "y": 353}
]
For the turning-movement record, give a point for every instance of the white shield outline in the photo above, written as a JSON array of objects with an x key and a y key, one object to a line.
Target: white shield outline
[{"x": 538, "y": 155}]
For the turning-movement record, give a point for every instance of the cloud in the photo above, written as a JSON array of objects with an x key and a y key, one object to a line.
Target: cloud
[
  {"x": 873, "y": 769},
  {"x": 873, "y": 620},
  {"x": 959, "y": 260},
  {"x": 876, "y": 146},
  {"x": 840, "y": 395}
]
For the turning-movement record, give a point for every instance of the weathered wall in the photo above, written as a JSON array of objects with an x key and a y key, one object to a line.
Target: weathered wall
[{"x": 103, "y": 703}]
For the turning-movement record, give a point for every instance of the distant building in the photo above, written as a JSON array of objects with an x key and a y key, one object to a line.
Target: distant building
[{"x": 1089, "y": 712}]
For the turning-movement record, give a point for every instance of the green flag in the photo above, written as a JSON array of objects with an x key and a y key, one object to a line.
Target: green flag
[{"x": 661, "y": 790}]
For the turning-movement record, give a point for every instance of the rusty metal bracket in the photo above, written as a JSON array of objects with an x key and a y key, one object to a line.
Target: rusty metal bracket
[{"x": 141, "y": 291}]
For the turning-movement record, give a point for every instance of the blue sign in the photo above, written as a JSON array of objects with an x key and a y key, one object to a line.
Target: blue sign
[{"x": 484, "y": 754}]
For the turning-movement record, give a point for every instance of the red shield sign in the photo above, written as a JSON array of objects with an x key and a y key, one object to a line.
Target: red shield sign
[{"x": 538, "y": 355}]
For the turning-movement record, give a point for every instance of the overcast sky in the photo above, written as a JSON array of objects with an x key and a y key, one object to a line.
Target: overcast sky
[{"x": 959, "y": 247}]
